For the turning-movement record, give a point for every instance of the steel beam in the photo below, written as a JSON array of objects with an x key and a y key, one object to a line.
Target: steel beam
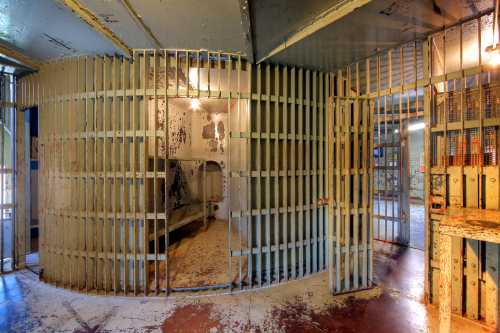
[
  {"x": 140, "y": 23},
  {"x": 19, "y": 57},
  {"x": 247, "y": 29},
  {"x": 321, "y": 21},
  {"x": 86, "y": 15}
]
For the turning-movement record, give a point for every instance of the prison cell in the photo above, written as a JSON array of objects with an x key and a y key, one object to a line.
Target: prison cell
[
  {"x": 284, "y": 230},
  {"x": 117, "y": 115}
]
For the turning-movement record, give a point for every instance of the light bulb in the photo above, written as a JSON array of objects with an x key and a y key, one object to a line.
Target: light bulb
[
  {"x": 195, "y": 104},
  {"x": 493, "y": 52}
]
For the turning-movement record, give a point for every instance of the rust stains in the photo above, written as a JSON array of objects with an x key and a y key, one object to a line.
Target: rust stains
[
  {"x": 220, "y": 130},
  {"x": 194, "y": 318},
  {"x": 378, "y": 315},
  {"x": 215, "y": 133},
  {"x": 209, "y": 131}
]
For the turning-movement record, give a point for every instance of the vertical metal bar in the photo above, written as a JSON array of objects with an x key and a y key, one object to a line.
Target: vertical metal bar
[
  {"x": 286, "y": 177},
  {"x": 125, "y": 179},
  {"x": 301, "y": 173},
  {"x": 293, "y": 200},
  {"x": 331, "y": 148},
  {"x": 313, "y": 171},
  {"x": 355, "y": 187},
  {"x": 381, "y": 148},
  {"x": 267, "y": 194},
  {"x": 338, "y": 178},
  {"x": 229, "y": 69},
  {"x": 248, "y": 169},
  {"x": 259, "y": 176},
  {"x": 347, "y": 179},
  {"x": 135, "y": 104},
  {"x": 277, "y": 177},
  {"x": 145, "y": 187},
  {"x": 155, "y": 171},
  {"x": 166, "y": 153},
  {"x": 240, "y": 167},
  {"x": 307, "y": 206},
  {"x": 323, "y": 93},
  {"x": 367, "y": 155},
  {"x": 114, "y": 162}
]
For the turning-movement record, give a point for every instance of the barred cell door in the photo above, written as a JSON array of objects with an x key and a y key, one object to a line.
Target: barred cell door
[
  {"x": 278, "y": 177},
  {"x": 350, "y": 209},
  {"x": 391, "y": 177}
]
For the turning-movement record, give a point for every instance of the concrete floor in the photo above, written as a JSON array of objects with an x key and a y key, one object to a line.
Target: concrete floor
[
  {"x": 27, "y": 305},
  {"x": 6, "y": 224},
  {"x": 383, "y": 230},
  {"x": 417, "y": 223},
  {"x": 196, "y": 254}
]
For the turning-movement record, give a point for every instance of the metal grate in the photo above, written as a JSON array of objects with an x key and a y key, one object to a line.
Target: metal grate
[
  {"x": 455, "y": 149},
  {"x": 454, "y": 109},
  {"x": 491, "y": 101},
  {"x": 471, "y": 104},
  {"x": 472, "y": 147},
  {"x": 490, "y": 145}
]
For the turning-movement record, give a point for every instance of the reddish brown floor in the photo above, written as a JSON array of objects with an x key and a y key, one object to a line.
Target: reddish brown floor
[
  {"x": 395, "y": 305},
  {"x": 399, "y": 272}
]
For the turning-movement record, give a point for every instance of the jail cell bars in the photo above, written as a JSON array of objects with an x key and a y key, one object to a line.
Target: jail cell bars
[
  {"x": 463, "y": 150},
  {"x": 9, "y": 258},
  {"x": 393, "y": 80},
  {"x": 284, "y": 220},
  {"x": 102, "y": 161},
  {"x": 350, "y": 232}
]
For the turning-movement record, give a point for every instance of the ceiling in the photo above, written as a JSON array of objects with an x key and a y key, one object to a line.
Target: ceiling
[
  {"x": 47, "y": 29},
  {"x": 381, "y": 24}
]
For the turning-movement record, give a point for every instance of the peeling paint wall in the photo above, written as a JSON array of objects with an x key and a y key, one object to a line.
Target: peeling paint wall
[{"x": 201, "y": 134}]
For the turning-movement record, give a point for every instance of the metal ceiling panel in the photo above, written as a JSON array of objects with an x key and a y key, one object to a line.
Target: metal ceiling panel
[
  {"x": 381, "y": 24},
  {"x": 194, "y": 24},
  {"x": 45, "y": 29},
  {"x": 275, "y": 20},
  {"x": 115, "y": 16}
]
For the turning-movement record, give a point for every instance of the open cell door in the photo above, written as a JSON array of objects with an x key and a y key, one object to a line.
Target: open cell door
[{"x": 350, "y": 231}]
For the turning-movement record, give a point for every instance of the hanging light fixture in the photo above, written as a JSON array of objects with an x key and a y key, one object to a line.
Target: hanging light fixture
[{"x": 493, "y": 50}]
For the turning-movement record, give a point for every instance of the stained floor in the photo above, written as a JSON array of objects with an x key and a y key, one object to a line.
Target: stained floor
[
  {"x": 196, "y": 255},
  {"x": 395, "y": 305}
]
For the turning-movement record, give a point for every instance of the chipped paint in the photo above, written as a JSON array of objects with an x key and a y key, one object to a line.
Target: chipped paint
[{"x": 193, "y": 134}]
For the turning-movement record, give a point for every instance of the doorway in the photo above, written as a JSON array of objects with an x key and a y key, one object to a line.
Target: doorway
[
  {"x": 7, "y": 141},
  {"x": 416, "y": 170},
  {"x": 31, "y": 165}
]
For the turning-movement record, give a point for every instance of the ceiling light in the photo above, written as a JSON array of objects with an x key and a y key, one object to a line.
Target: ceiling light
[
  {"x": 493, "y": 52},
  {"x": 195, "y": 104},
  {"x": 416, "y": 127}
]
